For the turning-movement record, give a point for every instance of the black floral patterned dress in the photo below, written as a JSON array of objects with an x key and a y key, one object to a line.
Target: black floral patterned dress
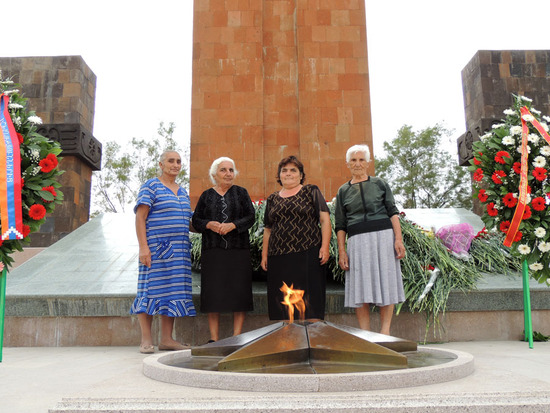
[{"x": 293, "y": 250}]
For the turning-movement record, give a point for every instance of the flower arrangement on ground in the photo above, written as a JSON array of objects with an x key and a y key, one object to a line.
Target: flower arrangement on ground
[
  {"x": 521, "y": 215},
  {"x": 39, "y": 169}
]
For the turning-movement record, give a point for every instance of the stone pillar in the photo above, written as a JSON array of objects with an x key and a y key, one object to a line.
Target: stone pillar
[
  {"x": 488, "y": 82},
  {"x": 61, "y": 90},
  {"x": 273, "y": 78}
]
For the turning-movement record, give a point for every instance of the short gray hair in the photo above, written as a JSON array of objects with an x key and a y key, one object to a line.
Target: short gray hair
[
  {"x": 358, "y": 148},
  {"x": 216, "y": 164},
  {"x": 165, "y": 153}
]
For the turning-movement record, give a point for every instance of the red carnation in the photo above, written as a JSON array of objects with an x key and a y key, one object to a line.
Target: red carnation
[
  {"x": 26, "y": 230},
  {"x": 37, "y": 212},
  {"x": 518, "y": 236},
  {"x": 496, "y": 177},
  {"x": 476, "y": 161},
  {"x": 20, "y": 137},
  {"x": 500, "y": 157},
  {"x": 505, "y": 226},
  {"x": 539, "y": 173},
  {"x": 538, "y": 204},
  {"x": 482, "y": 196},
  {"x": 51, "y": 190},
  {"x": 53, "y": 159},
  {"x": 46, "y": 165},
  {"x": 527, "y": 212},
  {"x": 510, "y": 200},
  {"x": 478, "y": 175},
  {"x": 517, "y": 167},
  {"x": 491, "y": 210}
]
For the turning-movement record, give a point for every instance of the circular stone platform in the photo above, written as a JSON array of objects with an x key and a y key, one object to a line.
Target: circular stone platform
[{"x": 159, "y": 367}]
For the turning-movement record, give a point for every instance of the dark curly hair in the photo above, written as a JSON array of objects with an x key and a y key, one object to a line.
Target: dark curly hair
[{"x": 296, "y": 162}]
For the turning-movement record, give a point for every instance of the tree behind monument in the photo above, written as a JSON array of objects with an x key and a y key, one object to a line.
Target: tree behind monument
[
  {"x": 421, "y": 173},
  {"x": 116, "y": 186}
]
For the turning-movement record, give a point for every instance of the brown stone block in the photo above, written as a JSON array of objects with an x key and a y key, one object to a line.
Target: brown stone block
[
  {"x": 244, "y": 83},
  {"x": 72, "y": 89},
  {"x": 346, "y": 115},
  {"x": 223, "y": 84},
  {"x": 253, "y": 35},
  {"x": 352, "y": 98},
  {"x": 340, "y": 18},
  {"x": 328, "y": 82},
  {"x": 220, "y": 52},
  {"x": 211, "y": 100},
  {"x": 252, "y": 51},
  {"x": 329, "y": 115},
  {"x": 235, "y": 51},
  {"x": 327, "y": 49},
  {"x": 337, "y": 66},
  {"x": 352, "y": 81},
  {"x": 504, "y": 70},
  {"x": 271, "y": 23},
  {"x": 319, "y": 34}
]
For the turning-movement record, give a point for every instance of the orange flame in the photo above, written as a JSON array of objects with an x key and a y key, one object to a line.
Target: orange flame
[{"x": 293, "y": 298}]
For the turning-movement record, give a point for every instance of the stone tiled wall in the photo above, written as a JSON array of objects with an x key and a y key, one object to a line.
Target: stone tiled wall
[
  {"x": 61, "y": 90},
  {"x": 273, "y": 78},
  {"x": 488, "y": 82}
]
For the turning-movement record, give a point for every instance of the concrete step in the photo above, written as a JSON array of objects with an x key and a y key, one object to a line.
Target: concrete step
[{"x": 535, "y": 402}]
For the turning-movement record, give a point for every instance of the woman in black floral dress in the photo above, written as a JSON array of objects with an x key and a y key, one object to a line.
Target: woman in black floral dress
[
  {"x": 223, "y": 215},
  {"x": 296, "y": 241}
]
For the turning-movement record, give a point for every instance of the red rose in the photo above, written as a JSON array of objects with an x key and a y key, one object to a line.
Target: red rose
[
  {"x": 510, "y": 200},
  {"x": 51, "y": 190},
  {"x": 46, "y": 165},
  {"x": 500, "y": 157},
  {"x": 527, "y": 212},
  {"x": 37, "y": 212},
  {"x": 53, "y": 159},
  {"x": 538, "y": 203},
  {"x": 482, "y": 196},
  {"x": 491, "y": 210},
  {"x": 517, "y": 167},
  {"x": 505, "y": 226},
  {"x": 26, "y": 230},
  {"x": 539, "y": 174},
  {"x": 478, "y": 175},
  {"x": 496, "y": 177}
]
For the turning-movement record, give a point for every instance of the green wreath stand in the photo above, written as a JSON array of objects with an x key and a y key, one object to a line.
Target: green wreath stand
[{"x": 528, "y": 324}]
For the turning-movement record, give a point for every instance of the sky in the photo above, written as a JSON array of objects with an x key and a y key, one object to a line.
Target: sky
[{"x": 141, "y": 53}]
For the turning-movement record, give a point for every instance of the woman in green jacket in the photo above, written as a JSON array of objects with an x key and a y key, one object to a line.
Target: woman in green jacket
[{"x": 367, "y": 215}]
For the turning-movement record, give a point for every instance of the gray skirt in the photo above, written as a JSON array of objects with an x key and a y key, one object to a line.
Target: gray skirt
[{"x": 374, "y": 276}]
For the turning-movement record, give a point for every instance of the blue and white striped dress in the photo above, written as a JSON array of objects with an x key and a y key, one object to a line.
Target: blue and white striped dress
[{"x": 165, "y": 287}]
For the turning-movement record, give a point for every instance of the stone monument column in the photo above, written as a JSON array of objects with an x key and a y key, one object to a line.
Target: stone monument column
[
  {"x": 61, "y": 90},
  {"x": 273, "y": 78}
]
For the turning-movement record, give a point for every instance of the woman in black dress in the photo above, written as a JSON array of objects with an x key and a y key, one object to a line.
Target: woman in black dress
[
  {"x": 223, "y": 215},
  {"x": 296, "y": 241}
]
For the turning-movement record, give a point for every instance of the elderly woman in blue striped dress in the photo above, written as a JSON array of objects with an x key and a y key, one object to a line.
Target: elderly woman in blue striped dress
[
  {"x": 163, "y": 213},
  {"x": 366, "y": 213}
]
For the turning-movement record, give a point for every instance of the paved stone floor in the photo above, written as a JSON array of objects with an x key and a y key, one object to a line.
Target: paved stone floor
[{"x": 37, "y": 379}]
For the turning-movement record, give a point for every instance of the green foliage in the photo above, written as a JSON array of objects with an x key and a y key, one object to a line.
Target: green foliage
[
  {"x": 421, "y": 174},
  {"x": 116, "y": 186}
]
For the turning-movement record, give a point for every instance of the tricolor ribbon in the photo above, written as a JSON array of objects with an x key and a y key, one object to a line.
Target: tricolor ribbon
[
  {"x": 520, "y": 208},
  {"x": 11, "y": 216}
]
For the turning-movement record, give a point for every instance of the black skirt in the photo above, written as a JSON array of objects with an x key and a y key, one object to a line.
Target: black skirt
[
  {"x": 303, "y": 270},
  {"x": 226, "y": 280}
]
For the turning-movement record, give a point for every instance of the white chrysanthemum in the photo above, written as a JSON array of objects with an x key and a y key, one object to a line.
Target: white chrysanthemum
[
  {"x": 11, "y": 92},
  {"x": 528, "y": 149},
  {"x": 545, "y": 150},
  {"x": 7, "y": 82},
  {"x": 35, "y": 119},
  {"x": 15, "y": 106},
  {"x": 540, "y": 232},
  {"x": 544, "y": 126},
  {"x": 533, "y": 138},
  {"x": 508, "y": 140},
  {"x": 535, "y": 111},
  {"x": 525, "y": 98},
  {"x": 536, "y": 266},
  {"x": 498, "y": 125},
  {"x": 539, "y": 162},
  {"x": 515, "y": 130},
  {"x": 17, "y": 121},
  {"x": 483, "y": 138},
  {"x": 524, "y": 249},
  {"x": 544, "y": 246},
  {"x": 509, "y": 112},
  {"x": 546, "y": 118},
  {"x": 528, "y": 118}
]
